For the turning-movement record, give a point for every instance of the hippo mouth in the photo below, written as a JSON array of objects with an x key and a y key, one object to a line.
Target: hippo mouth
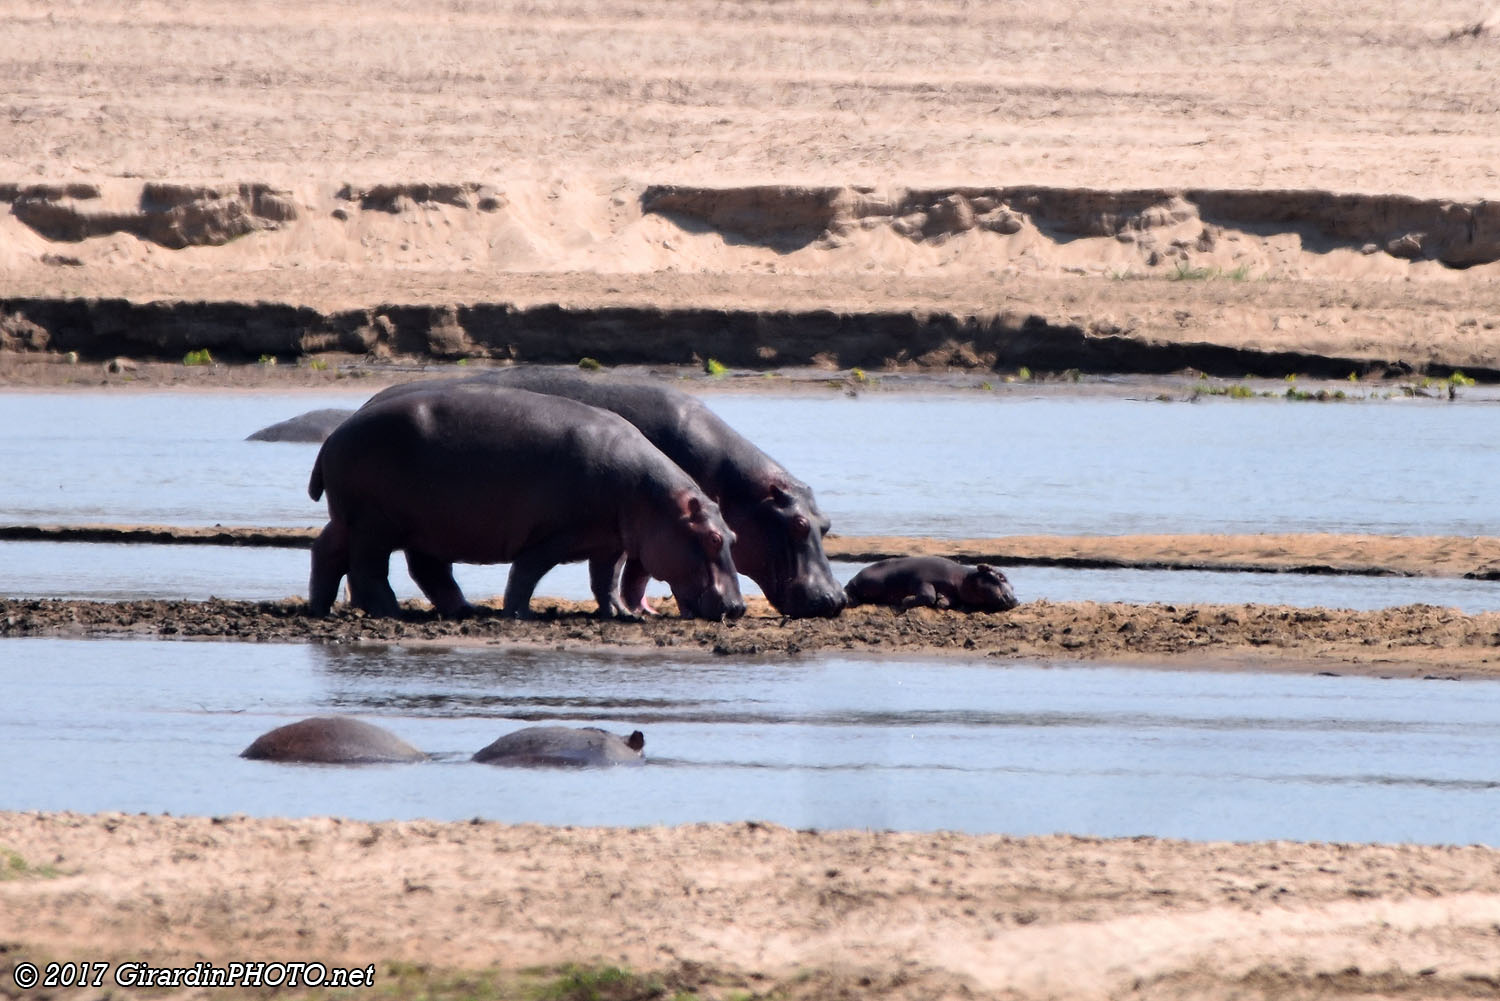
[
  {"x": 791, "y": 593},
  {"x": 808, "y": 603},
  {"x": 708, "y": 604}
]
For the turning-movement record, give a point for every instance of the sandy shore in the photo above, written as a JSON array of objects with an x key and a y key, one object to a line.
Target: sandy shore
[
  {"x": 933, "y": 187},
  {"x": 751, "y": 910}
]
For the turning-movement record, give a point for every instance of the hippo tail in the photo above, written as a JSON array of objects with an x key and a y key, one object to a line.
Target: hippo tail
[{"x": 315, "y": 482}]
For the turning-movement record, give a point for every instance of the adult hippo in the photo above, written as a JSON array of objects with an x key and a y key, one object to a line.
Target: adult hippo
[
  {"x": 331, "y": 740},
  {"x": 934, "y": 582},
  {"x": 579, "y": 747},
  {"x": 777, "y": 525},
  {"x": 313, "y": 426},
  {"x": 506, "y": 476}
]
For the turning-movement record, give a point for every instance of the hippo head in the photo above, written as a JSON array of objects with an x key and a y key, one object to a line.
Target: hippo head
[
  {"x": 987, "y": 588},
  {"x": 693, "y": 557},
  {"x": 779, "y": 545}
]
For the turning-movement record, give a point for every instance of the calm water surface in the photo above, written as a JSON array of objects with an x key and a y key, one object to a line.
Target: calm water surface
[
  {"x": 111, "y": 572},
  {"x": 822, "y": 742},
  {"x": 977, "y": 464}
]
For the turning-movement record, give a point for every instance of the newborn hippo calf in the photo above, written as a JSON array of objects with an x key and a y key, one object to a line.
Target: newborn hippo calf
[
  {"x": 496, "y": 475},
  {"x": 934, "y": 582},
  {"x": 564, "y": 746},
  {"x": 331, "y": 740}
]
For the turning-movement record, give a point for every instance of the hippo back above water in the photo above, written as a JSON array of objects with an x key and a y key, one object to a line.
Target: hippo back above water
[
  {"x": 933, "y": 582},
  {"x": 312, "y": 426},
  {"x": 776, "y": 521},
  {"x": 499, "y": 475},
  {"x": 331, "y": 740},
  {"x": 564, "y": 746}
]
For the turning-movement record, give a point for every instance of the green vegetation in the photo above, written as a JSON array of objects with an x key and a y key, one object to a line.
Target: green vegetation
[
  {"x": 1185, "y": 272},
  {"x": 589, "y": 364},
  {"x": 715, "y": 368},
  {"x": 317, "y": 364},
  {"x": 267, "y": 360},
  {"x": 986, "y": 386},
  {"x": 1182, "y": 271},
  {"x": 462, "y": 362},
  {"x": 1459, "y": 379},
  {"x": 858, "y": 375},
  {"x": 604, "y": 983},
  {"x": 1321, "y": 396},
  {"x": 13, "y": 866},
  {"x": 199, "y": 357}
]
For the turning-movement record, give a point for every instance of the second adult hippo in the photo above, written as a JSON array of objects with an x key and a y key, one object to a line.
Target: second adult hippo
[
  {"x": 331, "y": 740},
  {"x": 933, "y": 582},
  {"x": 508, "y": 476},
  {"x": 313, "y": 426},
  {"x": 564, "y": 746},
  {"x": 777, "y": 524}
]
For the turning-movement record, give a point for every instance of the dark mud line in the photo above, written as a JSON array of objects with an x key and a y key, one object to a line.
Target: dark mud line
[
  {"x": 1413, "y": 640},
  {"x": 100, "y": 329}
]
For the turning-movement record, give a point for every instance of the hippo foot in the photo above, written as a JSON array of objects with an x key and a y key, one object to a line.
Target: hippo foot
[
  {"x": 614, "y": 613},
  {"x": 464, "y": 611}
]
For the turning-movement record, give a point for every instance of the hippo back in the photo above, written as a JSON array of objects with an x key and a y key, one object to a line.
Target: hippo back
[
  {"x": 331, "y": 740},
  {"x": 564, "y": 746}
]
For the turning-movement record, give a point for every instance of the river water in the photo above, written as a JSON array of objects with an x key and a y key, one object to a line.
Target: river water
[
  {"x": 971, "y": 465},
  {"x": 821, "y": 741},
  {"x": 827, "y": 742},
  {"x": 968, "y": 464}
]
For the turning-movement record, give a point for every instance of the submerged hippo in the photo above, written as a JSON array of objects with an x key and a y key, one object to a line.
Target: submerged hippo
[
  {"x": 313, "y": 426},
  {"x": 331, "y": 740},
  {"x": 932, "y": 581},
  {"x": 777, "y": 525},
  {"x": 507, "y": 476},
  {"x": 586, "y": 746}
]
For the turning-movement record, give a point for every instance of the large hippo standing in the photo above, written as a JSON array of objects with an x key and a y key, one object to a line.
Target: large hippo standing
[
  {"x": 580, "y": 747},
  {"x": 331, "y": 740},
  {"x": 508, "y": 476},
  {"x": 934, "y": 582},
  {"x": 777, "y": 525}
]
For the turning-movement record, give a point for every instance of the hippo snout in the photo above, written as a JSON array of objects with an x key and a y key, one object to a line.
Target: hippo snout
[
  {"x": 712, "y": 604},
  {"x": 807, "y": 602}
]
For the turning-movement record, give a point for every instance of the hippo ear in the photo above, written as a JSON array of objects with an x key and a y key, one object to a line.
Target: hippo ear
[
  {"x": 694, "y": 507},
  {"x": 779, "y": 495},
  {"x": 636, "y": 740},
  {"x": 985, "y": 570}
]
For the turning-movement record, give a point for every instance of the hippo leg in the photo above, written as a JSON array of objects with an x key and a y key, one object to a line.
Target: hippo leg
[
  {"x": 926, "y": 597},
  {"x": 369, "y": 576},
  {"x": 435, "y": 578},
  {"x": 330, "y": 561},
  {"x": 527, "y": 570},
  {"x": 633, "y": 580},
  {"x": 603, "y": 574}
]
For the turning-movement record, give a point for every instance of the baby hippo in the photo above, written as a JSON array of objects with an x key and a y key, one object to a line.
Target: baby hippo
[{"x": 931, "y": 581}]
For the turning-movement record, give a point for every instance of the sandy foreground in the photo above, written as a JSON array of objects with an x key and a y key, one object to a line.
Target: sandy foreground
[{"x": 903, "y": 186}]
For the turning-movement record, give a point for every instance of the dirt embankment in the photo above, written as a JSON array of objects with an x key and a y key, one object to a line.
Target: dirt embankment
[{"x": 1146, "y": 281}]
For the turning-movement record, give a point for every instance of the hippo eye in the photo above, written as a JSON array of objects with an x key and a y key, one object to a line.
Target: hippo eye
[
  {"x": 801, "y": 526},
  {"x": 715, "y": 540}
]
